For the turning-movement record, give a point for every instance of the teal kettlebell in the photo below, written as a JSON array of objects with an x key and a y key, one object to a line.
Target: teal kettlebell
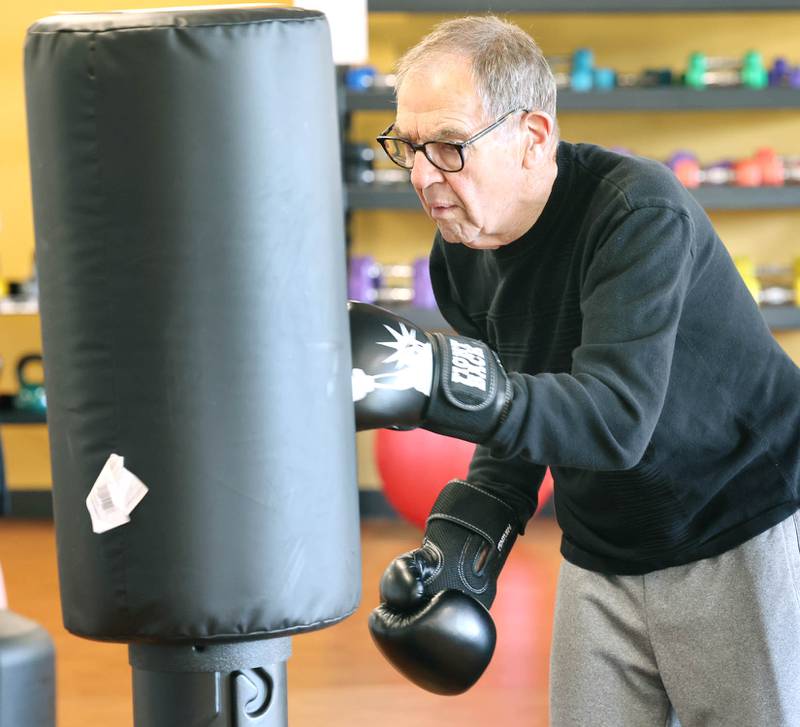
[{"x": 31, "y": 395}]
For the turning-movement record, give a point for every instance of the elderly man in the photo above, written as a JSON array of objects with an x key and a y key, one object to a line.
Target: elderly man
[{"x": 602, "y": 330}]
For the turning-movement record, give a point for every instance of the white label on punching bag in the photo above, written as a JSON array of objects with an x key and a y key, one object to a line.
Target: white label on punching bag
[{"x": 116, "y": 492}]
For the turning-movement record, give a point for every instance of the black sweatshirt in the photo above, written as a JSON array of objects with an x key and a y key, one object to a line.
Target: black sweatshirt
[{"x": 645, "y": 375}]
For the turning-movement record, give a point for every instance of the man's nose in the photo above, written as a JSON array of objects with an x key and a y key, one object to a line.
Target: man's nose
[{"x": 423, "y": 173}]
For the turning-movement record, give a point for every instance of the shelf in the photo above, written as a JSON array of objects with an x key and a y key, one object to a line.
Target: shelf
[
  {"x": 376, "y": 99},
  {"x": 399, "y": 196},
  {"x": 11, "y": 415},
  {"x": 402, "y": 196},
  {"x": 678, "y": 98},
  {"x": 778, "y": 318},
  {"x": 580, "y": 6},
  {"x": 752, "y": 198},
  {"x": 15, "y": 416},
  {"x": 782, "y": 317},
  {"x": 668, "y": 98}
]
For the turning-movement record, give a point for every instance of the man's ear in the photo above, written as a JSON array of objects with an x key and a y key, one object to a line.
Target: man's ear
[{"x": 538, "y": 127}]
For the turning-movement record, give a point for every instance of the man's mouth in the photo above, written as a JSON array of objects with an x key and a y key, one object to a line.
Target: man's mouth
[{"x": 440, "y": 209}]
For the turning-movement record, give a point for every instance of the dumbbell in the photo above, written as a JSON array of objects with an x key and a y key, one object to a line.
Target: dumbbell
[
  {"x": 768, "y": 169},
  {"x": 783, "y": 74},
  {"x": 780, "y": 285},
  {"x": 360, "y": 78},
  {"x": 764, "y": 169},
  {"x": 777, "y": 170},
  {"x": 560, "y": 67},
  {"x": 796, "y": 278},
  {"x": 363, "y": 278},
  {"x": 648, "y": 78},
  {"x": 747, "y": 270},
  {"x": 364, "y": 78},
  {"x": 391, "y": 175},
  {"x": 358, "y": 163},
  {"x": 584, "y": 76},
  {"x": 771, "y": 284},
  {"x": 703, "y": 71},
  {"x": 372, "y": 282},
  {"x": 578, "y": 72},
  {"x": 360, "y": 167},
  {"x": 687, "y": 169},
  {"x": 574, "y": 71}
]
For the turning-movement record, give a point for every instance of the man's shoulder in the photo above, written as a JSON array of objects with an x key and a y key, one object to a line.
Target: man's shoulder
[{"x": 628, "y": 180}]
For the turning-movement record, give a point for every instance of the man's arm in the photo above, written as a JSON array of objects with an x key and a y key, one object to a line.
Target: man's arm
[
  {"x": 516, "y": 481},
  {"x": 602, "y": 414}
]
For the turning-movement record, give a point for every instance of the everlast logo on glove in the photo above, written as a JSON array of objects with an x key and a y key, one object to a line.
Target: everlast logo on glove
[
  {"x": 508, "y": 531},
  {"x": 469, "y": 365}
]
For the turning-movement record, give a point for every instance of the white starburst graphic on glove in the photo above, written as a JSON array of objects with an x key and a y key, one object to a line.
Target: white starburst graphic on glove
[
  {"x": 413, "y": 360},
  {"x": 407, "y": 349}
]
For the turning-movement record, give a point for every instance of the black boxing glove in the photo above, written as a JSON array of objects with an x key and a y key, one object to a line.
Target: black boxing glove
[
  {"x": 404, "y": 377},
  {"x": 433, "y": 624}
]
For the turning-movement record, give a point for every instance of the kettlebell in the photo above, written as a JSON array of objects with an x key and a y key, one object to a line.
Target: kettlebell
[{"x": 31, "y": 395}]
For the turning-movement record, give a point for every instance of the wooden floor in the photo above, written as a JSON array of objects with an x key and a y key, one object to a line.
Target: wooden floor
[{"x": 336, "y": 676}]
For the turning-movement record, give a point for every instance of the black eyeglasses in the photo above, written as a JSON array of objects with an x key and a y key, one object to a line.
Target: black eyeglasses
[{"x": 445, "y": 155}]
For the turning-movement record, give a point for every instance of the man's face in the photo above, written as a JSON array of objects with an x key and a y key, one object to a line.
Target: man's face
[{"x": 478, "y": 205}]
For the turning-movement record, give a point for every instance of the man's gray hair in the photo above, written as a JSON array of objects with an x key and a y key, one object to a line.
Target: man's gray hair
[{"x": 508, "y": 67}]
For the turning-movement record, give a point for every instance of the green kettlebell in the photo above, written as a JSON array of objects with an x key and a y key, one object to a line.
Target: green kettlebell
[{"x": 31, "y": 395}]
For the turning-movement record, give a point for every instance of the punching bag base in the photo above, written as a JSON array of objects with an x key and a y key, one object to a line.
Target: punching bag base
[
  {"x": 210, "y": 685},
  {"x": 27, "y": 673}
]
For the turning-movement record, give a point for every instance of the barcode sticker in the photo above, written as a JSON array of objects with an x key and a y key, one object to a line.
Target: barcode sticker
[{"x": 116, "y": 492}]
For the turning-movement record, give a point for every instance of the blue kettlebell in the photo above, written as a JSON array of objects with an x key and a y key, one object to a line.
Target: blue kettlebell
[{"x": 31, "y": 395}]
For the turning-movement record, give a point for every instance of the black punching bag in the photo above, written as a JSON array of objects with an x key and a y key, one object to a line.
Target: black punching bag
[{"x": 189, "y": 239}]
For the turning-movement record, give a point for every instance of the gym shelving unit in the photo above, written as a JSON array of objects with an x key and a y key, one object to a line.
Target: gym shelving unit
[
  {"x": 581, "y": 6},
  {"x": 677, "y": 98},
  {"x": 400, "y": 196},
  {"x": 778, "y": 318},
  {"x": 10, "y": 415},
  {"x": 33, "y": 503},
  {"x": 8, "y": 500}
]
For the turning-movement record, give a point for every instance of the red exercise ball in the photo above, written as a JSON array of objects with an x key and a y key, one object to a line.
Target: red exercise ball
[{"x": 415, "y": 465}]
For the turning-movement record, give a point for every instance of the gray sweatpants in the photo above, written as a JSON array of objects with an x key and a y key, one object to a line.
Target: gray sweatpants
[{"x": 715, "y": 643}]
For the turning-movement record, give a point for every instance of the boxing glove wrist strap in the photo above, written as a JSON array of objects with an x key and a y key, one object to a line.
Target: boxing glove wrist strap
[
  {"x": 470, "y": 393},
  {"x": 464, "y": 504}
]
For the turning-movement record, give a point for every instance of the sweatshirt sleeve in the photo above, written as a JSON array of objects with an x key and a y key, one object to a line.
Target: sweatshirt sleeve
[
  {"x": 601, "y": 415},
  {"x": 515, "y": 481}
]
